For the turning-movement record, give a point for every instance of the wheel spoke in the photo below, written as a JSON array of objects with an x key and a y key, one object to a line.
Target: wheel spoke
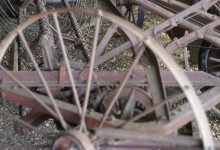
[
  {"x": 91, "y": 67},
  {"x": 214, "y": 59},
  {"x": 121, "y": 86},
  {"x": 105, "y": 40},
  {"x": 24, "y": 41},
  {"x": 66, "y": 61}
]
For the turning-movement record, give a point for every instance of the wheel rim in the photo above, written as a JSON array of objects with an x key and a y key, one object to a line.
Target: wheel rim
[{"x": 157, "y": 49}]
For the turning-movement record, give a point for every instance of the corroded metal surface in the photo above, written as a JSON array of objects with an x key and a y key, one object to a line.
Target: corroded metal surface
[{"x": 128, "y": 108}]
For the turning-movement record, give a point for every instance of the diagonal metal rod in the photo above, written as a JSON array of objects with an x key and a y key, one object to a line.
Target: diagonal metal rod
[
  {"x": 114, "y": 99},
  {"x": 75, "y": 94},
  {"x": 91, "y": 67},
  {"x": 153, "y": 108},
  {"x": 105, "y": 40},
  {"x": 61, "y": 119},
  {"x": 29, "y": 92}
]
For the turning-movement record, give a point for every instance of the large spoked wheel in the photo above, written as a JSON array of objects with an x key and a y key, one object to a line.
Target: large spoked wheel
[{"x": 98, "y": 106}]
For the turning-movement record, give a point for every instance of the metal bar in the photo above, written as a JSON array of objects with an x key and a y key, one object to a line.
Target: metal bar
[
  {"x": 75, "y": 94},
  {"x": 69, "y": 111},
  {"x": 148, "y": 141},
  {"x": 30, "y": 78},
  {"x": 121, "y": 86},
  {"x": 27, "y": 48},
  {"x": 183, "y": 115}
]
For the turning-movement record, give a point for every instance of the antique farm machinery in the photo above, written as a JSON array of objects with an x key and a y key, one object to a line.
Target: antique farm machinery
[{"x": 105, "y": 81}]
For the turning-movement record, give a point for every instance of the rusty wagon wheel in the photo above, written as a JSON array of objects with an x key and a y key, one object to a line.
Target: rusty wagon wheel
[{"x": 91, "y": 85}]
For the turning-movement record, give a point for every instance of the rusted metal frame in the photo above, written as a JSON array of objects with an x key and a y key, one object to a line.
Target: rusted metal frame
[
  {"x": 175, "y": 7},
  {"x": 149, "y": 140},
  {"x": 187, "y": 88},
  {"x": 127, "y": 42},
  {"x": 105, "y": 40},
  {"x": 213, "y": 40},
  {"x": 122, "y": 85},
  {"x": 132, "y": 95},
  {"x": 197, "y": 78},
  {"x": 182, "y": 115},
  {"x": 47, "y": 89},
  {"x": 211, "y": 32},
  {"x": 69, "y": 111},
  {"x": 151, "y": 68},
  {"x": 182, "y": 80},
  {"x": 30, "y": 78},
  {"x": 141, "y": 145},
  {"x": 188, "y": 25},
  {"x": 29, "y": 92},
  {"x": 46, "y": 40},
  {"x": 170, "y": 99},
  {"x": 77, "y": 30},
  {"x": 145, "y": 141},
  {"x": 170, "y": 22},
  {"x": 202, "y": 19},
  {"x": 132, "y": 43},
  {"x": 208, "y": 28},
  {"x": 114, "y": 52},
  {"x": 200, "y": 33},
  {"x": 174, "y": 20}
]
